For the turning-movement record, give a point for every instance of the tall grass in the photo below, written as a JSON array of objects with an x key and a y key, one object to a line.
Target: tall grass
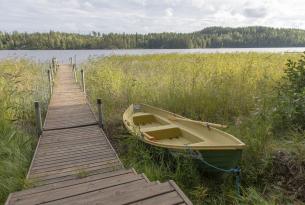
[
  {"x": 215, "y": 87},
  {"x": 21, "y": 82},
  {"x": 236, "y": 89}
]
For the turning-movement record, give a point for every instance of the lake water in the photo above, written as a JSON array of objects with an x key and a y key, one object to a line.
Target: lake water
[{"x": 82, "y": 55}]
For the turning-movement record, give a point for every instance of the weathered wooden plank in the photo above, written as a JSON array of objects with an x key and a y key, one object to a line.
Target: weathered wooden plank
[
  {"x": 114, "y": 165},
  {"x": 70, "y": 152},
  {"x": 71, "y": 159},
  {"x": 77, "y": 156},
  {"x": 75, "y": 190},
  {"x": 81, "y": 167},
  {"x": 170, "y": 198},
  {"x": 83, "y": 150},
  {"x": 72, "y": 143},
  {"x": 76, "y": 153},
  {"x": 77, "y": 131},
  {"x": 72, "y": 148},
  {"x": 94, "y": 197},
  {"x": 126, "y": 196},
  {"x": 69, "y": 137},
  {"x": 65, "y": 165},
  {"x": 89, "y": 172},
  {"x": 71, "y": 182}
]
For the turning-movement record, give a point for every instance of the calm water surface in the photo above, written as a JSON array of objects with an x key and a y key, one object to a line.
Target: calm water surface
[{"x": 82, "y": 55}]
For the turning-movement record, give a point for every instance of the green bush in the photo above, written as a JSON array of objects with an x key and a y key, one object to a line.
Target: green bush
[{"x": 290, "y": 108}]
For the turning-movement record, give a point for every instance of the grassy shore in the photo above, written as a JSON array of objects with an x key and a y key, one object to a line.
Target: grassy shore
[
  {"x": 21, "y": 82},
  {"x": 235, "y": 89}
]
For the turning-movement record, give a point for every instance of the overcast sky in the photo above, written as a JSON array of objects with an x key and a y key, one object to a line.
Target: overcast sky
[{"x": 145, "y": 16}]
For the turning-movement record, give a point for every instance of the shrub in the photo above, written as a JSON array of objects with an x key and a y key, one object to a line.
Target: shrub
[{"x": 290, "y": 108}]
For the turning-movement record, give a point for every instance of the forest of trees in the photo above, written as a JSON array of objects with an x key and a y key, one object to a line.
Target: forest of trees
[{"x": 211, "y": 37}]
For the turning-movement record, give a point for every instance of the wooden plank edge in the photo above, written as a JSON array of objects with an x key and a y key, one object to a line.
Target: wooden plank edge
[
  {"x": 101, "y": 130},
  {"x": 180, "y": 192},
  {"x": 33, "y": 158},
  {"x": 145, "y": 177},
  {"x": 8, "y": 199},
  {"x": 70, "y": 127}
]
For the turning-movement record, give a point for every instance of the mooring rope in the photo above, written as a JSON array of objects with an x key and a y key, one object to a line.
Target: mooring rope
[{"x": 197, "y": 155}]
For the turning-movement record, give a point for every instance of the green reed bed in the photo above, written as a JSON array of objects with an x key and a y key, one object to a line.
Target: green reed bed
[
  {"x": 21, "y": 82},
  {"x": 239, "y": 89}
]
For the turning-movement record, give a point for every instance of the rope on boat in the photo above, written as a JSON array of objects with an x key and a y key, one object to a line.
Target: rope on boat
[{"x": 236, "y": 171}]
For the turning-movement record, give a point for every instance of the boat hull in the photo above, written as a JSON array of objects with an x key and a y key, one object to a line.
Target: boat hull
[{"x": 224, "y": 159}]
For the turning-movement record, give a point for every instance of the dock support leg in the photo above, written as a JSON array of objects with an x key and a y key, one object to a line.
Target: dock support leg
[
  {"x": 83, "y": 79},
  {"x": 38, "y": 118},
  {"x": 50, "y": 82},
  {"x": 100, "y": 113}
]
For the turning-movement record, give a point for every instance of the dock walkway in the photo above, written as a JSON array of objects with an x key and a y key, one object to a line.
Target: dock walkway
[{"x": 74, "y": 162}]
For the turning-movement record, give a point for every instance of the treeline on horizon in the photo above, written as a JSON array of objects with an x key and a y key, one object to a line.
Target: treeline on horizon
[{"x": 211, "y": 37}]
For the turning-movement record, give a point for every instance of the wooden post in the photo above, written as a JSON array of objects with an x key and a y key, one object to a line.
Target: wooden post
[
  {"x": 50, "y": 82},
  {"x": 70, "y": 60},
  {"x": 100, "y": 113},
  {"x": 38, "y": 118},
  {"x": 74, "y": 72},
  {"x": 53, "y": 63},
  {"x": 52, "y": 73},
  {"x": 83, "y": 79},
  {"x": 75, "y": 59}
]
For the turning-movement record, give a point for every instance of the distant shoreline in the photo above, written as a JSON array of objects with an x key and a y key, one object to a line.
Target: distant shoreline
[
  {"x": 92, "y": 49},
  {"x": 210, "y": 37}
]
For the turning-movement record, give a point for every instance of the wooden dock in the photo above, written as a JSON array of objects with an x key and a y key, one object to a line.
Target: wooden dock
[{"x": 74, "y": 162}]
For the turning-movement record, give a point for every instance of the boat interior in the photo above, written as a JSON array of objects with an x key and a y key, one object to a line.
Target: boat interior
[{"x": 159, "y": 128}]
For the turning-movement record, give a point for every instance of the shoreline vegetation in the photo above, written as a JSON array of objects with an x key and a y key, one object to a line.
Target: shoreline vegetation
[
  {"x": 210, "y": 37},
  {"x": 21, "y": 83},
  {"x": 253, "y": 93},
  {"x": 259, "y": 95}
]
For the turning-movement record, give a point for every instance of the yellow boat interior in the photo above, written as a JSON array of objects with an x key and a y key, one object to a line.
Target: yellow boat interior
[{"x": 166, "y": 129}]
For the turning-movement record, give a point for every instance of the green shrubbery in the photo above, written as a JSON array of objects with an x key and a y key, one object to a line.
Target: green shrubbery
[{"x": 290, "y": 108}]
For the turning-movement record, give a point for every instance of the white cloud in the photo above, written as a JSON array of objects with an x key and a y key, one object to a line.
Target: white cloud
[
  {"x": 145, "y": 16},
  {"x": 169, "y": 12},
  {"x": 198, "y": 3}
]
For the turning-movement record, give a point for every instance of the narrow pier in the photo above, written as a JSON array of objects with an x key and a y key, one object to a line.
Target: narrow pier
[{"x": 74, "y": 162}]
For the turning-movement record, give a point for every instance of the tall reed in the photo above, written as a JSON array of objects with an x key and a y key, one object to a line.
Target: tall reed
[
  {"x": 21, "y": 82},
  {"x": 237, "y": 89}
]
